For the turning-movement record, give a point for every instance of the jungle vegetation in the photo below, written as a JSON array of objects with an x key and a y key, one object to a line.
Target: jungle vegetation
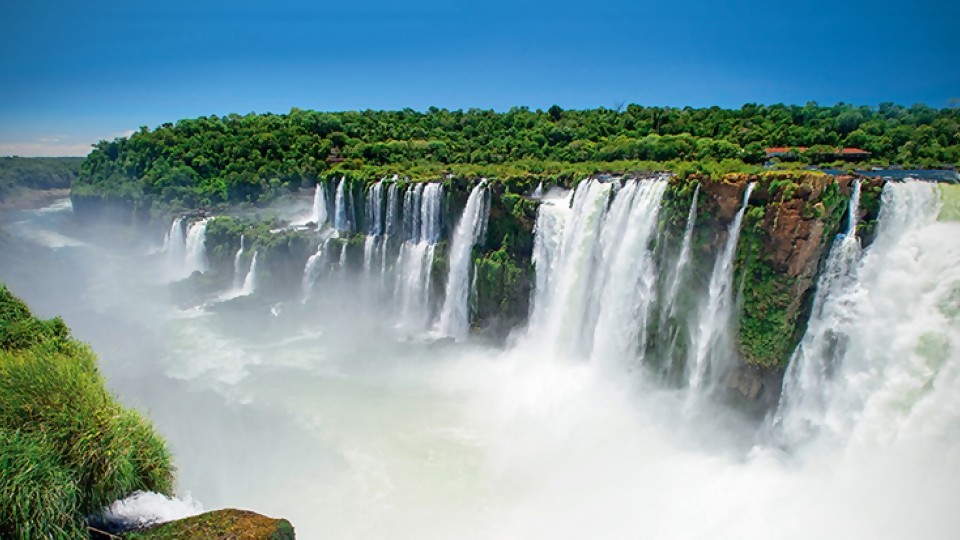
[{"x": 257, "y": 157}]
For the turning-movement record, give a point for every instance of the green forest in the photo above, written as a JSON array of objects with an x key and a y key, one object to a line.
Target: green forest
[
  {"x": 17, "y": 174},
  {"x": 257, "y": 157}
]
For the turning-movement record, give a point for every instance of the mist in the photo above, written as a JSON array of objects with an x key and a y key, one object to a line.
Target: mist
[{"x": 331, "y": 411}]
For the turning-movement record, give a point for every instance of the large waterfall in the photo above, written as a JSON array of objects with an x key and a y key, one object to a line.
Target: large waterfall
[
  {"x": 593, "y": 298},
  {"x": 398, "y": 250},
  {"x": 803, "y": 404},
  {"x": 341, "y": 221},
  {"x": 250, "y": 281},
  {"x": 318, "y": 213},
  {"x": 568, "y": 426},
  {"x": 237, "y": 261},
  {"x": 414, "y": 267},
  {"x": 711, "y": 347},
  {"x": 454, "y": 318},
  {"x": 375, "y": 225},
  {"x": 881, "y": 359},
  {"x": 186, "y": 249}
]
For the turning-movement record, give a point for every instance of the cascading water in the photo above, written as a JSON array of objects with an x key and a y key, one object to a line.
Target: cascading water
[
  {"x": 538, "y": 191},
  {"x": 455, "y": 317},
  {"x": 593, "y": 297},
  {"x": 237, "y": 260},
  {"x": 668, "y": 306},
  {"x": 340, "y": 220},
  {"x": 711, "y": 345},
  {"x": 196, "y": 254},
  {"x": 896, "y": 377},
  {"x": 626, "y": 290},
  {"x": 318, "y": 214},
  {"x": 564, "y": 255},
  {"x": 375, "y": 225},
  {"x": 174, "y": 245},
  {"x": 421, "y": 217},
  {"x": 313, "y": 266},
  {"x": 804, "y": 387},
  {"x": 250, "y": 282}
]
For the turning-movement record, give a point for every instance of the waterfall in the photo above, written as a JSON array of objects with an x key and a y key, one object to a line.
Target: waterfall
[
  {"x": 455, "y": 317},
  {"x": 250, "y": 282},
  {"x": 538, "y": 192},
  {"x": 565, "y": 245},
  {"x": 897, "y": 372},
  {"x": 195, "y": 247},
  {"x": 390, "y": 227},
  {"x": 824, "y": 343},
  {"x": 711, "y": 340},
  {"x": 174, "y": 245},
  {"x": 668, "y": 308},
  {"x": 237, "y": 259},
  {"x": 340, "y": 220},
  {"x": 375, "y": 224},
  {"x": 311, "y": 270},
  {"x": 593, "y": 297},
  {"x": 626, "y": 290},
  {"x": 319, "y": 213},
  {"x": 421, "y": 228}
]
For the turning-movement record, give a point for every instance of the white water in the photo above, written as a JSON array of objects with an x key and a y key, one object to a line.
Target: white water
[
  {"x": 318, "y": 213},
  {"x": 313, "y": 266},
  {"x": 174, "y": 245},
  {"x": 455, "y": 315},
  {"x": 538, "y": 191},
  {"x": 196, "y": 250},
  {"x": 711, "y": 347},
  {"x": 626, "y": 289},
  {"x": 185, "y": 250},
  {"x": 594, "y": 297},
  {"x": 237, "y": 261},
  {"x": 340, "y": 220},
  {"x": 887, "y": 336},
  {"x": 250, "y": 282},
  {"x": 803, "y": 404},
  {"x": 414, "y": 267},
  {"x": 669, "y": 304},
  {"x": 375, "y": 225},
  {"x": 359, "y": 436}
]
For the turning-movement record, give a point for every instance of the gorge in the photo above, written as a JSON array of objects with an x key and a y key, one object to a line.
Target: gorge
[{"x": 615, "y": 355}]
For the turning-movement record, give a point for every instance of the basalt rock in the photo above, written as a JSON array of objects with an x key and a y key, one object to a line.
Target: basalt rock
[{"x": 226, "y": 524}]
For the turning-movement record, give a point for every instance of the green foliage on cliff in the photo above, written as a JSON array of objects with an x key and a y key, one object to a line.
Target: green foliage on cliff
[
  {"x": 219, "y": 524},
  {"x": 776, "y": 279},
  {"x": 212, "y": 160},
  {"x": 17, "y": 173},
  {"x": 68, "y": 448}
]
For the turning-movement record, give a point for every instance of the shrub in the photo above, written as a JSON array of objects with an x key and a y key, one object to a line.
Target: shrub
[{"x": 69, "y": 448}]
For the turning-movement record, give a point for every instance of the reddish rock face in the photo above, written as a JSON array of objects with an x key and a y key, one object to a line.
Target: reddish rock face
[{"x": 789, "y": 229}]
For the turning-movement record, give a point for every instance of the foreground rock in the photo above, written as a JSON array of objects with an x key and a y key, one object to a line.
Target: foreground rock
[{"x": 219, "y": 525}]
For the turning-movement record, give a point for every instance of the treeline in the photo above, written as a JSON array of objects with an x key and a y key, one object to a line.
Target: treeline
[
  {"x": 17, "y": 173},
  {"x": 249, "y": 158}
]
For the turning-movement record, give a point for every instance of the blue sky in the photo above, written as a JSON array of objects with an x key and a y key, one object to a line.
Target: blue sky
[{"x": 72, "y": 73}]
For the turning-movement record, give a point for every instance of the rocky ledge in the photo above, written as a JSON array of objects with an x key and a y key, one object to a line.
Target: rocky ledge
[{"x": 226, "y": 524}]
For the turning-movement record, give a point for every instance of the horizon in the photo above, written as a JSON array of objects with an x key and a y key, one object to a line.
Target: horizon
[{"x": 83, "y": 74}]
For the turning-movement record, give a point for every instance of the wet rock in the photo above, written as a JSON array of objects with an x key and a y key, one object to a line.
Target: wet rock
[{"x": 226, "y": 524}]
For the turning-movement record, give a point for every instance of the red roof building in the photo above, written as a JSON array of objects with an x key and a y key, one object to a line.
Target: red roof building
[{"x": 851, "y": 154}]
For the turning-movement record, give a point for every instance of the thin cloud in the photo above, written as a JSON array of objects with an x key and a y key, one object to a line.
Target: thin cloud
[
  {"x": 55, "y": 146},
  {"x": 44, "y": 149}
]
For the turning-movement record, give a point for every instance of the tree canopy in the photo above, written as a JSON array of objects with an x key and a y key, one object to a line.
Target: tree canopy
[{"x": 211, "y": 160}]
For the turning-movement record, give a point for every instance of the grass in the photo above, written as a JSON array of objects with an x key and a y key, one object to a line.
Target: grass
[{"x": 69, "y": 448}]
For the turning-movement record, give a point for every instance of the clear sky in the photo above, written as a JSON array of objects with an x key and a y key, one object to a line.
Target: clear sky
[{"x": 73, "y": 72}]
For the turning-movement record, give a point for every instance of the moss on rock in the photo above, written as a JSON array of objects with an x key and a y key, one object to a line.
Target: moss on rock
[{"x": 226, "y": 524}]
